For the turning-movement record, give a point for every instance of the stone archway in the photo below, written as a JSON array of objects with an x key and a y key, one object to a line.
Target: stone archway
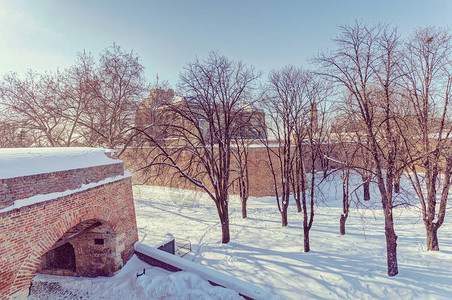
[{"x": 89, "y": 248}]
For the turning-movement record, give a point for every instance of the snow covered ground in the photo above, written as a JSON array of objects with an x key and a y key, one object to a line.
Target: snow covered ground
[
  {"x": 261, "y": 252},
  {"x": 156, "y": 283},
  {"x": 352, "y": 266}
]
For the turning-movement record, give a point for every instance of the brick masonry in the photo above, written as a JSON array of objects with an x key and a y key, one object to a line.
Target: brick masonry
[
  {"x": 12, "y": 189},
  {"x": 31, "y": 231},
  {"x": 260, "y": 175}
]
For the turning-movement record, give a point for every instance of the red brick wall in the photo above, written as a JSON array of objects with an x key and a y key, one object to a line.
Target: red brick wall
[
  {"x": 27, "y": 186},
  {"x": 29, "y": 232},
  {"x": 260, "y": 176}
]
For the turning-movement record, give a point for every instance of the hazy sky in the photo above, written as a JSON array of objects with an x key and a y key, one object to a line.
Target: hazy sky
[{"x": 45, "y": 35}]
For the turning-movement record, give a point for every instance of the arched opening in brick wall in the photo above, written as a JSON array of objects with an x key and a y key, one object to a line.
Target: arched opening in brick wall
[
  {"x": 61, "y": 258},
  {"x": 90, "y": 248}
]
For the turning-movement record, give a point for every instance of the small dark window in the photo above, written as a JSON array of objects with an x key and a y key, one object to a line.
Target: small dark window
[{"x": 98, "y": 241}]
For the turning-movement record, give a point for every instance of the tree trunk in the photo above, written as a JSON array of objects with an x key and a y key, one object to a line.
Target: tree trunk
[
  {"x": 325, "y": 166},
  {"x": 298, "y": 205},
  {"x": 306, "y": 240},
  {"x": 366, "y": 187},
  {"x": 342, "y": 224},
  {"x": 243, "y": 209},
  {"x": 391, "y": 246},
  {"x": 225, "y": 232},
  {"x": 284, "y": 217},
  {"x": 432, "y": 237},
  {"x": 397, "y": 184},
  {"x": 345, "y": 202}
]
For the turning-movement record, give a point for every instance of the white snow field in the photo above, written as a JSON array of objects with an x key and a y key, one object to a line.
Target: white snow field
[{"x": 263, "y": 253}]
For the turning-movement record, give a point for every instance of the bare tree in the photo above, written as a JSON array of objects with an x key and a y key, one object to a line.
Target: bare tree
[
  {"x": 427, "y": 83},
  {"x": 314, "y": 140},
  {"x": 296, "y": 105},
  {"x": 347, "y": 159},
  {"x": 117, "y": 85},
  {"x": 248, "y": 129},
  {"x": 364, "y": 63},
  {"x": 240, "y": 154},
  {"x": 31, "y": 105},
  {"x": 75, "y": 100},
  {"x": 201, "y": 127},
  {"x": 88, "y": 104},
  {"x": 288, "y": 109}
]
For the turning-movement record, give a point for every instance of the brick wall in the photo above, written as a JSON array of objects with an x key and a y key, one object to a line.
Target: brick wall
[
  {"x": 260, "y": 176},
  {"x": 12, "y": 189},
  {"x": 29, "y": 232}
]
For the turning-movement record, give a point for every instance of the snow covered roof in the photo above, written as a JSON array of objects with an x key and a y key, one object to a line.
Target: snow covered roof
[{"x": 17, "y": 162}]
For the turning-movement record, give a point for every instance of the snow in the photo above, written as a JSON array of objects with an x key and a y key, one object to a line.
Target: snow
[
  {"x": 46, "y": 197},
  {"x": 156, "y": 283},
  {"x": 16, "y": 162},
  {"x": 263, "y": 253},
  {"x": 266, "y": 255},
  {"x": 205, "y": 273},
  {"x": 159, "y": 239}
]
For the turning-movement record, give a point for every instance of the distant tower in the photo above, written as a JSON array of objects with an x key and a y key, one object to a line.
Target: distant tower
[
  {"x": 146, "y": 112},
  {"x": 314, "y": 115}
]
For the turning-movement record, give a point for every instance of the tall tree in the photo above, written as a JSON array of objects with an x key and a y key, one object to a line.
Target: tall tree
[
  {"x": 310, "y": 147},
  {"x": 250, "y": 128},
  {"x": 427, "y": 83},
  {"x": 364, "y": 63},
  {"x": 347, "y": 159},
  {"x": 75, "y": 100},
  {"x": 117, "y": 85},
  {"x": 201, "y": 126},
  {"x": 31, "y": 105},
  {"x": 288, "y": 109}
]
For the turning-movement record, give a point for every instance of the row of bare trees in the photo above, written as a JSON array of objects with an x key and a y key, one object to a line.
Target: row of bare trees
[
  {"x": 394, "y": 100},
  {"x": 296, "y": 103},
  {"x": 398, "y": 95},
  {"x": 92, "y": 103},
  {"x": 393, "y": 119}
]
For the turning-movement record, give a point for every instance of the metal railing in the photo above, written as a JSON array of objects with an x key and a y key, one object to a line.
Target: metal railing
[{"x": 183, "y": 247}]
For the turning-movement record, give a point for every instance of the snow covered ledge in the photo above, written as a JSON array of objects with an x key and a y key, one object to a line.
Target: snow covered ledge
[
  {"x": 19, "y": 162},
  {"x": 27, "y": 175},
  {"x": 174, "y": 263}
]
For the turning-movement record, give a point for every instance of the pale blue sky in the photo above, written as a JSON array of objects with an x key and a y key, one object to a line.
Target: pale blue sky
[{"x": 45, "y": 35}]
